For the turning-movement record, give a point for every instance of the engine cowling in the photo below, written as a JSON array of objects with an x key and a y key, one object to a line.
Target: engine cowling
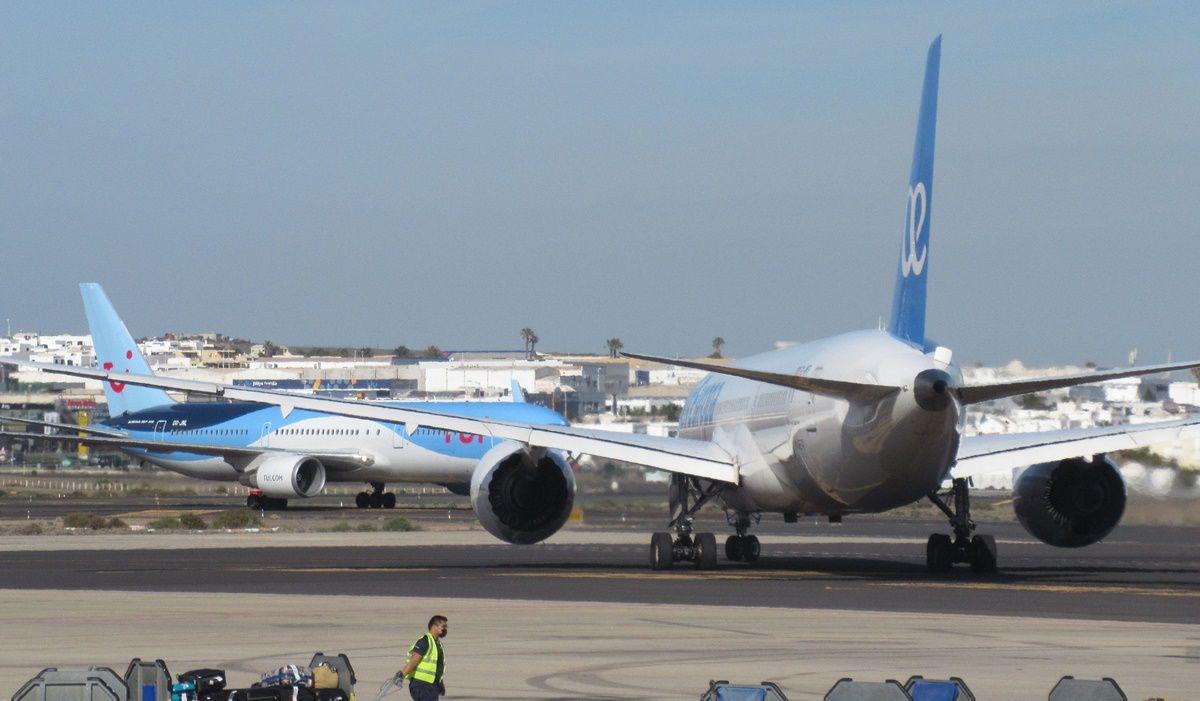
[
  {"x": 286, "y": 476},
  {"x": 521, "y": 496},
  {"x": 1071, "y": 503}
]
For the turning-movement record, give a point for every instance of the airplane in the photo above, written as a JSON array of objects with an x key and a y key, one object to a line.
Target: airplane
[
  {"x": 280, "y": 455},
  {"x": 862, "y": 422}
]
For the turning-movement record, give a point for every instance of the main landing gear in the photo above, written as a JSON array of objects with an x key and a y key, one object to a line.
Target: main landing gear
[
  {"x": 686, "y": 496},
  {"x": 375, "y": 499},
  {"x": 941, "y": 552},
  {"x": 260, "y": 502},
  {"x": 742, "y": 547}
]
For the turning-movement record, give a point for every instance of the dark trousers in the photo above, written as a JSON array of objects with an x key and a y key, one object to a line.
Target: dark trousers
[{"x": 422, "y": 691}]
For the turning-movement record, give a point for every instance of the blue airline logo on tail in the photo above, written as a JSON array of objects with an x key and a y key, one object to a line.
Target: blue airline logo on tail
[{"x": 910, "y": 262}]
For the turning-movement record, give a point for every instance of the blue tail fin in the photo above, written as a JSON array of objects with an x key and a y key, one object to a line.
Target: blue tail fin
[
  {"x": 115, "y": 350},
  {"x": 908, "y": 301}
]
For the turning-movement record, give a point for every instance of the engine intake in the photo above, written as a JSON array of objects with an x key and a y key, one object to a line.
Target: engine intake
[
  {"x": 1071, "y": 503},
  {"x": 285, "y": 476},
  {"x": 520, "y": 498}
]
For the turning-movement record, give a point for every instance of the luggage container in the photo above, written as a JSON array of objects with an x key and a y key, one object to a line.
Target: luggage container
[
  {"x": 724, "y": 691},
  {"x": 1072, "y": 689},
  {"x": 92, "y": 684},
  {"x": 850, "y": 690},
  {"x": 148, "y": 681},
  {"x": 339, "y": 663},
  {"x": 952, "y": 689}
]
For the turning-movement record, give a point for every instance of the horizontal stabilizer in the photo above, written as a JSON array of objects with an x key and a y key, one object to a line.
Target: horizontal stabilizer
[
  {"x": 829, "y": 388},
  {"x": 973, "y": 394}
]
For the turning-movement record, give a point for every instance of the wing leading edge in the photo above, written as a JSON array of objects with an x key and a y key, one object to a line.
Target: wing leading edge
[{"x": 690, "y": 457}]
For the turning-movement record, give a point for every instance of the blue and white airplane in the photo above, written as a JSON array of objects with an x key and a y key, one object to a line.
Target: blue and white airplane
[
  {"x": 858, "y": 423},
  {"x": 284, "y": 454}
]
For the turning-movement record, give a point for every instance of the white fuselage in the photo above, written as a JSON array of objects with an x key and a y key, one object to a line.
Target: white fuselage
[{"x": 805, "y": 453}]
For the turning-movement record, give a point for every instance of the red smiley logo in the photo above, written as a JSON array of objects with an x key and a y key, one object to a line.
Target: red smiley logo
[{"x": 117, "y": 387}]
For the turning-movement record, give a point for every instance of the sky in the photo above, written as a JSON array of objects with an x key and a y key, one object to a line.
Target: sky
[{"x": 450, "y": 173}]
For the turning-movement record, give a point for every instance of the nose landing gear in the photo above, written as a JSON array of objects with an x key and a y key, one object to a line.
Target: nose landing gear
[
  {"x": 686, "y": 496},
  {"x": 941, "y": 552}
]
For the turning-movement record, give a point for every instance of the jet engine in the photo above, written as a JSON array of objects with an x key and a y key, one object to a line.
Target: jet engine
[
  {"x": 284, "y": 476},
  {"x": 521, "y": 495},
  {"x": 1071, "y": 503}
]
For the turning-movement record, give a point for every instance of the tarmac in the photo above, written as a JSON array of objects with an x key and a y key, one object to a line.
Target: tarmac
[{"x": 582, "y": 618}]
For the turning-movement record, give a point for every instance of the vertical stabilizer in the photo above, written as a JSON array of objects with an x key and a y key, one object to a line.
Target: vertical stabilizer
[
  {"x": 908, "y": 303},
  {"x": 115, "y": 350}
]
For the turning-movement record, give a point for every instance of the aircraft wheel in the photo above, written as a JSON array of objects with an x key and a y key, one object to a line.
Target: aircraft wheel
[
  {"x": 362, "y": 500},
  {"x": 376, "y": 500},
  {"x": 939, "y": 553},
  {"x": 751, "y": 548},
  {"x": 706, "y": 556},
  {"x": 389, "y": 500},
  {"x": 254, "y": 503},
  {"x": 662, "y": 552},
  {"x": 983, "y": 553},
  {"x": 734, "y": 548}
]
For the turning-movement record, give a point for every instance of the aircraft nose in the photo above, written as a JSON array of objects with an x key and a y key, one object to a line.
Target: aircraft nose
[{"x": 931, "y": 389}]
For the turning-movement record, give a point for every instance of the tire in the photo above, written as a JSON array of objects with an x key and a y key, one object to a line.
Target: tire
[
  {"x": 939, "y": 553},
  {"x": 751, "y": 548},
  {"x": 376, "y": 500},
  {"x": 362, "y": 500},
  {"x": 734, "y": 548},
  {"x": 706, "y": 545},
  {"x": 254, "y": 503},
  {"x": 389, "y": 500},
  {"x": 983, "y": 553},
  {"x": 662, "y": 552}
]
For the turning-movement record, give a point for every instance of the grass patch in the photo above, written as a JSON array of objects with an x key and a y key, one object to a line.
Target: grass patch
[
  {"x": 192, "y": 522},
  {"x": 166, "y": 523},
  {"x": 90, "y": 521},
  {"x": 29, "y": 529},
  {"x": 237, "y": 518},
  {"x": 365, "y": 527},
  {"x": 399, "y": 523},
  {"x": 341, "y": 527}
]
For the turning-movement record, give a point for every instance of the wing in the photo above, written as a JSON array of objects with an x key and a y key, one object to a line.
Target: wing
[
  {"x": 979, "y": 455},
  {"x": 973, "y": 394},
  {"x": 4, "y": 420},
  {"x": 239, "y": 456},
  {"x": 685, "y": 456}
]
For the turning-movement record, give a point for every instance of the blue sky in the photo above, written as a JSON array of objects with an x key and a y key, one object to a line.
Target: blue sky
[{"x": 448, "y": 173}]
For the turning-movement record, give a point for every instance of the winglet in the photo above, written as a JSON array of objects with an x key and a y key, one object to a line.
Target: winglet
[
  {"x": 907, "y": 322},
  {"x": 518, "y": 394}
]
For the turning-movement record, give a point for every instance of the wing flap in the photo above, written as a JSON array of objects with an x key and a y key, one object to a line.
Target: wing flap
[{"x": 978, "y": 455}]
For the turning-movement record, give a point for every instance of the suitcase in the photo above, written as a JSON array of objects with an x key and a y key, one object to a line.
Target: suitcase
[
  {"x": 260, "y": 693},
  {"x": 331, "y": 695},
  {"x": 205, "y": 679},
  {"x": 219, "y": 695}
]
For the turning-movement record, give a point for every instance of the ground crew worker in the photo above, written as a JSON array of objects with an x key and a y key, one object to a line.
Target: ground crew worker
[{"x": 426, "y": 663}]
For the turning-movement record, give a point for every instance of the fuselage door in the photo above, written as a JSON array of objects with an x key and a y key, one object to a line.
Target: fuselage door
[
  {"x": 397, "y": 435},
  {"x": 265, "y": 438},
  {"x": 160, "y": 430}
]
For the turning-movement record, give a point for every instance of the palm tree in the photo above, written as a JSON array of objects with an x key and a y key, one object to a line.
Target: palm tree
[
  {"x": 269, "y": 349},
  {"x": 717, "y": 343},
  {"x": 365, "y": 352},
  {"x": 614, "y": 346},
  {"x": 533, "y": 347},
  {"x": 530, "y": 339},
  {"x": 402, "y": 352}
]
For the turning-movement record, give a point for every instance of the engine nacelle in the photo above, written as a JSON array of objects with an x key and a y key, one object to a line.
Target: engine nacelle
[
  {"x": 285, "y": 476},
  {"x": 1071, "y": 503},
  {"x": 520, "y": 498}
]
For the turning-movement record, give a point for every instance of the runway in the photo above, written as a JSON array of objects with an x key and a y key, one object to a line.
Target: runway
[{"x": 1148, "y": 574}]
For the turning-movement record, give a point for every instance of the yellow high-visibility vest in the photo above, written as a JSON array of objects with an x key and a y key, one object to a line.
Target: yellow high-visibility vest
[{"x": 426, "y": 669}]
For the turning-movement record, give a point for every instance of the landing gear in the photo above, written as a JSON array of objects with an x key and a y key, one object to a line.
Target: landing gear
[
  {"x": 741, "y": 547},
  {"x": 258, "y": 501},
  {"x": 941, "y": 552},
  {"x": 686, "y": 496},
  {"x": 376, "y": 498}
]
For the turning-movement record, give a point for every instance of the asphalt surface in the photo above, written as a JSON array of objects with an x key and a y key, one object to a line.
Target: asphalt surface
[{"x": 1147, "y": 574}]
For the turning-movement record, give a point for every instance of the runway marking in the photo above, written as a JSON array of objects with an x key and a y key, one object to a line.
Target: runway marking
[
  {"x": 331, "y": 570},
  {"x": 1050, "y": 588},
  {"x": 731, "y": 575}
]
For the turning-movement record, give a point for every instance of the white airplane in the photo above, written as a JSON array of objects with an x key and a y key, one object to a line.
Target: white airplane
[{"x": 858, "y": 423}]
